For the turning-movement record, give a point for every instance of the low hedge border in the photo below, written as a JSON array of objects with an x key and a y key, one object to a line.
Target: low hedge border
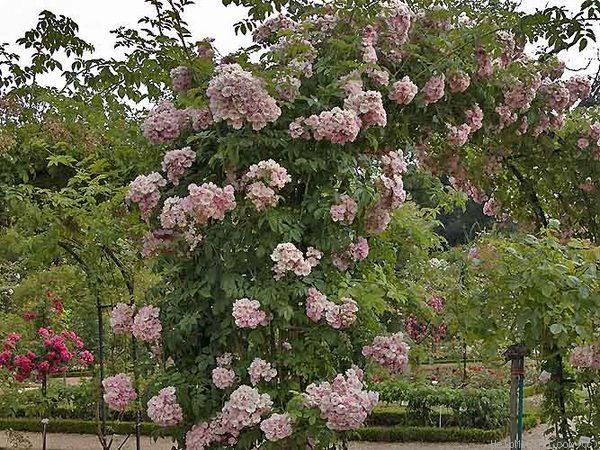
[
  {"x": 74, "y": 426},
  {"x": 369, "y": 433},
  {"x": 427, "y": 434}
]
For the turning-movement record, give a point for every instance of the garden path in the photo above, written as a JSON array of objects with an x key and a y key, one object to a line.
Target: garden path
[{"x": 534, "y": 440}]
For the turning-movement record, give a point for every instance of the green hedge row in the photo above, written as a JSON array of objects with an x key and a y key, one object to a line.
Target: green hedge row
[
  {"x": 398, "y": 433},
  {"x": 427, "y": 434},
  {"x": 463, "y": 408},
  {"x": 369, "y": 433},
  {"x": 74, "y": 426}
]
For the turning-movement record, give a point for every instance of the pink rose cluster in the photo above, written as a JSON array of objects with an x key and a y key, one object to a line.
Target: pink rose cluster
[
  {"x": 389, "y": 351},
  {"x": 459, "y": 135},
  {"x": 181, "y": 79},
  {"x": 368, "y": 105},
  {"x": 491, "y": 207},
  {"x": 436, "y": 303},
  {"x": 121, "y": 318},
  {"x": 146, "y": 324},
  {"x": 118, "y": 392},
  {"x": 369, "y": 39},
  {"x": 288, "y": 87},
  {"x": 459, "y": 81},
  {"x": 277, "y": 427},
  {"x": 264, "y": 180},
  {"x": 53, "y": 354},
  {"x": 156, "y": 241},
  {"x": 288, "y": 258},
  {"x": 176, "y": 163},
  {"x": 145, "y": 192},
  {"x": 247, "y": 313},
  {"x": 395, "y": 22},
  {"x": 223, "y": 377},
  {"x": 261, "y": 370},
  {"x": 337, "y": 126},
  {"x": 164, "y": 123},
  {"x": 433, "y": 90},
  {"x": 418, "y": 330},
  {"x": 205, "y": 202},
  {"x": 579, "y": 88},
  {"x": 356, "y": 251},
  {"x": 163, "y": 408},
  {"x": 392, "y": 193},
  {"x": 344, "y": 211},
  {"x": 343, "y": 403},
  {"x": 237, "y": 96},
  {"x": 200, "y": 118},
  {"x": 243, "y": 409},
  {"x": 586, "y": 357},
  {"x": 337, "y": 316},
  {"x": 485, "y": 67},
  {"x": 403, "y": 91},
  {"x": 273, "y": 25}
]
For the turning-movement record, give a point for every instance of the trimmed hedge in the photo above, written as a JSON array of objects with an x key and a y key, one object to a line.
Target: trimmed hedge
[
  {"x": 398, "y": 433},
  {"x": 369, "y": 433},
  {"x": 463, "y": 408},
  {"x": 74, "y": 426},
  {"x": 427, "y": 434}
]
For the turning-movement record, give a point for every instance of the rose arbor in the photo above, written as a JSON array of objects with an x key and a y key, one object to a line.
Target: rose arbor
[{"x": 277, "y": 176}]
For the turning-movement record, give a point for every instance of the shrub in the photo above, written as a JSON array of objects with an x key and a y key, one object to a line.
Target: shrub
[{"x": 466, "y": 408}]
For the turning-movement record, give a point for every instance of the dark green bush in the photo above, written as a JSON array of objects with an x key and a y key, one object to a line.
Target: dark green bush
[
  {"x": 61, "y": 402},
  {"x": 427, "y": 434},
  {"x": 464, "y": 408},
  {"x": 74, "y": 426}
]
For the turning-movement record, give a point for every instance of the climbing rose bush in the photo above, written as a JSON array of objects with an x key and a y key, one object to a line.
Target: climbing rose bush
[{"x": 300, "y": 158}]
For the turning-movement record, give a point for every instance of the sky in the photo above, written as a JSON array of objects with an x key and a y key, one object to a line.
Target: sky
[{"x": 207, "y": 18}]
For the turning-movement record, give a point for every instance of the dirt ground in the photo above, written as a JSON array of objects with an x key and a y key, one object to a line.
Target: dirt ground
[{"x": 533, "y": 440}]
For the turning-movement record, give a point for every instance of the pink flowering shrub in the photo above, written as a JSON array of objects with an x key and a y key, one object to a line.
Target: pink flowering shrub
[
  {"x": 47, "y": 353},
  {"x": 163, "y": 408},
  {"x": 119, "y": 392},
  {"x": 300, "y": 166}
]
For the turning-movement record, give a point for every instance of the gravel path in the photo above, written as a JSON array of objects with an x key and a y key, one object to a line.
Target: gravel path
[{"x": 533, "y": 440}]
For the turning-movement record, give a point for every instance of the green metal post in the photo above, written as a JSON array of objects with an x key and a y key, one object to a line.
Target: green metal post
[{"x": 520, "y": 414}]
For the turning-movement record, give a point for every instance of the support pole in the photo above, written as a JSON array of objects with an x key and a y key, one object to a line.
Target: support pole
[{"x": 516, "y": 355}]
